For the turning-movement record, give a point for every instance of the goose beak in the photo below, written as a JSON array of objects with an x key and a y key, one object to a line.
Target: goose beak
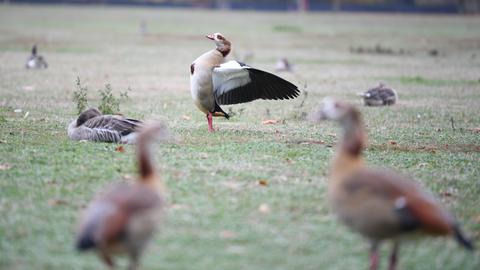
[{"x": 210, "y": 37}]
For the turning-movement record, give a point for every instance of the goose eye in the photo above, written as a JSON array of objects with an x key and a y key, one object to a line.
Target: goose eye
[{"x": 220, "y": 37}]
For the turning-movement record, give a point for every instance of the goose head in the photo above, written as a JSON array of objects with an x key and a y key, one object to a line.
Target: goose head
[
  {"x": 86, "y": 115},
  {"x": 222, "y": 44},
  {"x": 34, "y": 50}
]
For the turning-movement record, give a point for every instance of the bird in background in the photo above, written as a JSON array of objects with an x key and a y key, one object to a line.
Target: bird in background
[
  {"x": 92, "y": 125},
  {"x": 36, "y": 61},
  {"x": 214, "y": 82},
  {"x": 143, "y": 28},
  {"x": 380, "y": 95},
  {"x": 122, "y": 220},
  {"x": 283, "y": 65},
  {"x": 377, "y": 203}
]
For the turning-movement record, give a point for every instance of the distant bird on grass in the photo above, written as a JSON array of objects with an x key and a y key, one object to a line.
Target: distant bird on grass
[
  {"x": 213, "y": 82},
  {"x": 379, "y": 96},
  {"x": 92, "y": 125},
  {"x": 36, "y": 61},
  {"x": 377, "y": 203},
  {"x": 143, "y": 28},
  {"x": 283, "y": 65},
  {"x": 122, "y": 220}
]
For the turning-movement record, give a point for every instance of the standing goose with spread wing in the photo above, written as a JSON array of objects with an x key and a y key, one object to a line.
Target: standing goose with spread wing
[{"x": 214, "y": 83}]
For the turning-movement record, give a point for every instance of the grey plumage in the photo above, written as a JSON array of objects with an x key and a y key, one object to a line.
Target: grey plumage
[
  {"x": 92, "y": 125},
  {"x": 380, "y": 95},
  {"x": 36, "y": 61}
]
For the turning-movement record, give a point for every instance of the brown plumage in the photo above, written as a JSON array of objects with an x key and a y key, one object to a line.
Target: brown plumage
[
  {"x": 378, "y": 204},
  {"x": 123, "y": 219}
]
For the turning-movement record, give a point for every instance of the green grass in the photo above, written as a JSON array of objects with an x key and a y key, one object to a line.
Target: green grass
[
  {"x": 213, "y": 221},
  {"x": 287, "y": 28},
  {"x": 419, "y": 80}
]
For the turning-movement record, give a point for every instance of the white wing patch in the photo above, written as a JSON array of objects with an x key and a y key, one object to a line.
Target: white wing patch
[
  {"x": 400, "y": 202},
  {"x": 130, "y": 138},
  {"x": 229, "y": 76},
  {"x": 31, "y": 63}
]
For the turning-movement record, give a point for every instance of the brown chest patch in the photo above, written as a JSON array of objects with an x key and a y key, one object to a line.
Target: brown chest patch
[
  {"x": 192, "y": 68},
  {"x": 224, "y": 51}
]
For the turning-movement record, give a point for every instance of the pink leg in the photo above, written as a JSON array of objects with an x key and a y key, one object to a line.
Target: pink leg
[
  {"x": 374, "y": 257},
  {"x": 107, "y": 260},
  {"x": 394, "y": 257},
  {"x": 210, "y": 125}
]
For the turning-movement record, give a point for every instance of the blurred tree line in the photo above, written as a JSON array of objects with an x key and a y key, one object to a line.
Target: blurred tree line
[
  {"x": 465, "y": 6},
  {"x": 449, "y": 6}
]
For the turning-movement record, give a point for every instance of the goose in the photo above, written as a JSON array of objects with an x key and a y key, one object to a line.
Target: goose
[
  {"x": 214, "y": 82},
  {"x": 143, "y": 28},
  {"x": 36, "y": 61},
  {"x": 122, "y": 220},
  {"x": 283, "y": 65},
  {"x": 377, "y": 203},
  {"x": 92, "y": 125},
  {"x": 380, "y": 95}
]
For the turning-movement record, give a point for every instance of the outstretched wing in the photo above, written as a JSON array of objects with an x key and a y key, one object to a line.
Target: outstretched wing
[{"x": 235, "y": 82}]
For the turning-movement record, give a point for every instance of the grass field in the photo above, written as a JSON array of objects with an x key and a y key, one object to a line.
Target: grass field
[{"x": 213, "y": 221}]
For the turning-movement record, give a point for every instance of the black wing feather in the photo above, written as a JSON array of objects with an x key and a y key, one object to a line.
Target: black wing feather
[{"x": 263, "y": 85}]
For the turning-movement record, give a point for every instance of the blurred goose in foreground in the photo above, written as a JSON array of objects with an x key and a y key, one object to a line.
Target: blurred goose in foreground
[
  {"x": 92, "y": 125},
  {"x": 35, "y": 60},
  {"x": 214, "y": 83},
  {"x": 123, "y": 219},
  {"x": 378, "y": 204},
  {"x": 379, "y": 96}
]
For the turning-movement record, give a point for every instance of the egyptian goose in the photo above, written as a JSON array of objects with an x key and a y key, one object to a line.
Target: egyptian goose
[
  {"x": 92, "y": 125},
  {"x": 122, "y": 220},
  {"x": 213, "y": 82},
  {"x": 35, "y": 60},
  {"x": 378, "y": 204},
  {"x": 379, "y": 96}
]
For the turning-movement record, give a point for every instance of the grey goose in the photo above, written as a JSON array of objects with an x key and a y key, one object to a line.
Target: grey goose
[{"x": 92, "y": 125}]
